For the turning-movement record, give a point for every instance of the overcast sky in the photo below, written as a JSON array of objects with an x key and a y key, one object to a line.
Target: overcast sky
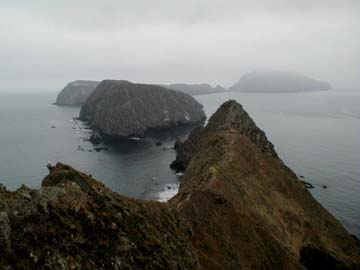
[{"x": 45, "y": 44}]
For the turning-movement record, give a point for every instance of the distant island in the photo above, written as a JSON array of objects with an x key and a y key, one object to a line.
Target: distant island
[
  {"x": 278, "y": 81},
  {"x": 196, "y": 89},
  {"x": 238, "y": 207},
  {"x": 121, "y": 109},
  {"x": 76, "y": 93}
]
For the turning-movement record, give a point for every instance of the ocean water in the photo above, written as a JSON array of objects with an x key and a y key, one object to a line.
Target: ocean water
[{"x": 316, "y": 134}]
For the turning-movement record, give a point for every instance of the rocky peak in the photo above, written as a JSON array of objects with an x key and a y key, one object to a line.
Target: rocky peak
[
  {"x": 235, "y": 180},
  {"x": 232, "y": 117}
]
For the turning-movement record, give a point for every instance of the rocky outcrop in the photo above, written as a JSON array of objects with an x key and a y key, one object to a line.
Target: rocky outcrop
[
  {"x": 196, "y": 89},
  {"x": 185, "y": 150},
  {"x": 238, "y": 207},
  {"x": 76, "y": 93},
  {"x": 122, "y": 109},
  {"x": 278, "y": 81},
  {"x": 237, "y": 192},
  {"x": 75, "y": 222}
]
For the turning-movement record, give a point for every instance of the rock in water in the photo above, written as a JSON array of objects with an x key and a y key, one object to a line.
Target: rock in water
[
  {"x": 122, "y": 109},
  {"x": 238, "y": 207},
  {"x": 278, "y": 81},
  {"x": 75, "y": 93},
  {"x": 96, "y": 138}
]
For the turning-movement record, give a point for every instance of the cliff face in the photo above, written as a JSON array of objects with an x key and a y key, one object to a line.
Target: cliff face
[
  {"x": 278, "y": 81},
  {"x": 121, "y": 108},
  {"x": 196, "y": 89},
  {"x": 238, "y": 207},
  {"x": 76, "y": 93}
]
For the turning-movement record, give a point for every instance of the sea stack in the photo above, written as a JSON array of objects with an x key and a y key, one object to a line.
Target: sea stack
[
  {"x": 123, "y": 109},
  {"x": 75, "y": 93},
  {"x": 238, "y": 207},
  {"x": 271, "y": 81}
]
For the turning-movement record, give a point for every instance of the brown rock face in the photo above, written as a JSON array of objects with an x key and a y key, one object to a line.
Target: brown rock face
[
  {"x": 238, "y": 207},
  {"x": 75, "y": 222},
  {"x": 248, "y": 210},
  {"x": 121, "y": 109}
]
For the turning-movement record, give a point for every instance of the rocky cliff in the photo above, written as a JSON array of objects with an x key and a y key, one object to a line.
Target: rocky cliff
[
  {"x": 238, "y": 207},
  {"x": 237, "y": 192},
  {"x": 278, "y": 81},
  {"x": 196, "y": 89},
  {"x": 76, "y": 93},
  {"x": 122, "y": 108}
]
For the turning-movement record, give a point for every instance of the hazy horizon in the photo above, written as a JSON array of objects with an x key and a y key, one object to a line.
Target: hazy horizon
[{"x": 46, "y": 45}]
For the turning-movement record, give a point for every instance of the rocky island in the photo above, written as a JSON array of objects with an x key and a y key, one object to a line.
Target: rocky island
[
  {"x": 278, "y": 81},
  {"x": 119, "y": 109},
  {"x": 196, "y": 89},
  {"x": 238, "y": 207},
  {"x": 75, "y": 93}
]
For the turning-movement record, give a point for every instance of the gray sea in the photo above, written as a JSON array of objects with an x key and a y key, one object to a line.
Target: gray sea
[{"x": 316, "y": 134}]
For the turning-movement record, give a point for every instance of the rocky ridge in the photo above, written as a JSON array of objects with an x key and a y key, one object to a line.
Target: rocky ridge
[
  {"x": 238, "y": 207},
  {"x": 75, "y": 222},
  {"x": 260, "y": 212}
]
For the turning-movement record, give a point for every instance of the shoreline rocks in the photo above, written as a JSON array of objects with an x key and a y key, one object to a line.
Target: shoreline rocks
[
  {"x": 307, "y": 184},
  {"x": 96, "y": 138}
]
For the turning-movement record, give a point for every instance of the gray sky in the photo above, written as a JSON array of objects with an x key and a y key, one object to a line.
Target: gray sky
[{"x": 44, "y": 44}]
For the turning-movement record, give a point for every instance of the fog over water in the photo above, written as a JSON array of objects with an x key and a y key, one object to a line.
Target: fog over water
[{"x": 45, "y": 44}]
